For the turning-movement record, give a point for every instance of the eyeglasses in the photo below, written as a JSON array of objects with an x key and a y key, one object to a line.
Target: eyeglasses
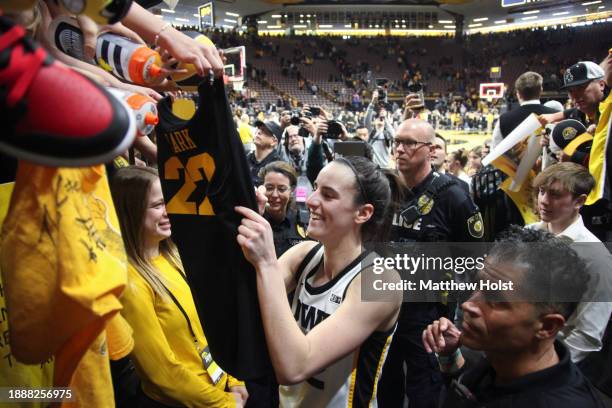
[
  {"x": 281, "y": 189},
  {"x": 408, "y": 143}
]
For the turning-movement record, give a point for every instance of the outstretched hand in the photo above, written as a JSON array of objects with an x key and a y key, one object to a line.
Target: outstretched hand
[{"x": 255, "y": 238}]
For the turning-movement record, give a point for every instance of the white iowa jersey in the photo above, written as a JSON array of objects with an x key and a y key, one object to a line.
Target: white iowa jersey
[{"x": 351, "y": 381}]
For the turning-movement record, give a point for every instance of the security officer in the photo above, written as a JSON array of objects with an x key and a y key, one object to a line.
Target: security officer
[{"x": 437, "y": 209}]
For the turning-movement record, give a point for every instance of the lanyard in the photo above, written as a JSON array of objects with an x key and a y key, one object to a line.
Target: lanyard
[{"x": 177, "y": 303}]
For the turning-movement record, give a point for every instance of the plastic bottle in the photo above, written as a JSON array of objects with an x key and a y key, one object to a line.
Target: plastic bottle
[
  {"x": 125, "y": 58},
  {"x": 144, "y": 108}
]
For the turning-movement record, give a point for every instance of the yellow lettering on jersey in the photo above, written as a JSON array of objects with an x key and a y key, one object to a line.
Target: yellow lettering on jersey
[
  {"x": 180, "y": 141},
  {"x": 179, "y": 204},
  {"x": 173, "y": 143},
  {"x": 187, "y": 139}
]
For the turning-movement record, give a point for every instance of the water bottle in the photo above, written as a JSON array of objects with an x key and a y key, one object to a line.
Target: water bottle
[
  {"x": 125, "y": 58},
  {"x": 144, "y": 108}
]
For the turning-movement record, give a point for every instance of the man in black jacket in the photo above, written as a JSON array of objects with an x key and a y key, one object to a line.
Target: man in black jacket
[
  {"x": 525, "y": 366},
  {"x": 528, "y": 88},
  {"x": 266, "y": 139}
]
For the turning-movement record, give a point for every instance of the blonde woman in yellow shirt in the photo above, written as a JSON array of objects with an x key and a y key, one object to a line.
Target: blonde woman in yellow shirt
[{"x": 171, "y": 353}]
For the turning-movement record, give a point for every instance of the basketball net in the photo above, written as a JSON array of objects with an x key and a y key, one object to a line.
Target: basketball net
[{"x": 237, "y": 85}]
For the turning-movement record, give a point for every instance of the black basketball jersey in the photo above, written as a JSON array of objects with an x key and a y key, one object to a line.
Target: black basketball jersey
[{"x": 204, "y": 175}]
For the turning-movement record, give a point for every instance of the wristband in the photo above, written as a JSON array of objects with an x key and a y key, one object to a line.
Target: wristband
[
  {"x": 159, "y": 33},
  {"x": 449, "y": 360}
]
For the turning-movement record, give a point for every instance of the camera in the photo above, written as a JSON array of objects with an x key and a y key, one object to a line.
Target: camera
[{"x": 297, "y": 114}]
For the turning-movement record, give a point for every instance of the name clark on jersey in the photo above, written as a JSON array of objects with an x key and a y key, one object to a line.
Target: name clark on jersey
[{"x": 488, "y": 285}]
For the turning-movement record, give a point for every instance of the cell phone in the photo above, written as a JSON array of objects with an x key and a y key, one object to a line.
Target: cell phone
[
  {"x": 349, "y": 148},
  {"x": 315, "y": 110}
]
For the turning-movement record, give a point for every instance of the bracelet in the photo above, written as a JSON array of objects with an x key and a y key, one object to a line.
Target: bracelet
[
  {"x": 449, "y": 360},
  {"x": 159, "y": 33}
]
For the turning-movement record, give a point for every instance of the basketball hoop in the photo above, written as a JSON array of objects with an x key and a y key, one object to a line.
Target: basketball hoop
[{"x": 237, "y": 85}]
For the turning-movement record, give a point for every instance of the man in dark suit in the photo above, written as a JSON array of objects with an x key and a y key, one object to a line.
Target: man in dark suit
[{"x": 528, "y": 89}]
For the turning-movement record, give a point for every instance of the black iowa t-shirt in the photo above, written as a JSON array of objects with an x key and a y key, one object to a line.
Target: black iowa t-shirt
[{"x": 204, "y": 175}]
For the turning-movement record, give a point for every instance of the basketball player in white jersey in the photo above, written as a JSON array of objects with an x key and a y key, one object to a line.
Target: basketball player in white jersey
[{"x": 329, "y": 347}]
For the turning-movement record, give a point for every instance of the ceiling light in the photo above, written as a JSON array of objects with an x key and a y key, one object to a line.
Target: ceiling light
[
  {"x": 182, "y": 19},
  {"x": 232, "y": 14},
  {"x": 481, "y": 19},
  {"x": 325, "y": 26},
  {"x": 229, "y": 20},
  {"x": 561, "y": 13},
  {"x": 445, "y": 21},
  {"x": 347, "y": 26},
  {"x": 168, "y": 11},
  {"x": 276, "y": 16},
  {"x": 299, "y": 26},
  {"x": 531, "y": 12},
  {"x": 449, "y": 26},
  {"x": 529, "y": 18},
  {"x": 588, "y": 3},
  {"x": 274, "y": 26},
  {"x": 430, "y": 26},
  {"x": 500, "y": 22},
  {"x": 475, "y": 25},
  {"x": 263, "y": 22}
]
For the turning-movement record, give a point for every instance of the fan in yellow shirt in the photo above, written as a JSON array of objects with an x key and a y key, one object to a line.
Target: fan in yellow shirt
[{"x": 170, "y": 353}]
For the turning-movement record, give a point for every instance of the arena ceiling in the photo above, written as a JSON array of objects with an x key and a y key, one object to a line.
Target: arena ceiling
[{"x": 485, "y": 12}]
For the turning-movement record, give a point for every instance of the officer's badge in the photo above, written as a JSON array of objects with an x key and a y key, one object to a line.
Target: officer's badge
[
  {"x": 301, "y": 231},
  {"x": 425, "y": 204},
  {"x": 569, "y": 133},
  {"x": 475, "y": 226},
  {"x": 568, "y": 77}
]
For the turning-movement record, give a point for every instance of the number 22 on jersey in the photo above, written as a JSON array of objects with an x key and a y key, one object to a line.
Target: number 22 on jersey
[{"x": 198, "y": 167}]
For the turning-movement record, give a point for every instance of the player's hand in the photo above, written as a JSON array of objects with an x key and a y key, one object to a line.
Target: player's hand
[
  {"x": 442, "y": 337},
  {"x": 255, "y": 238},
  {"x": 262, "y": 199}
]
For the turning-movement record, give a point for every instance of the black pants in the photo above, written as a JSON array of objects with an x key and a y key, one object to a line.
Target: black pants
[{"x": 422, "y": 381}]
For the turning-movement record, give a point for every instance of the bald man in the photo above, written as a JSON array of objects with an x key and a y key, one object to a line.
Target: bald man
[{"x": 438, "y": 209}]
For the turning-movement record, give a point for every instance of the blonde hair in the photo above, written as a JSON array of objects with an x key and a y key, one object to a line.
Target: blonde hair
[{"x": 130, "y": 188}]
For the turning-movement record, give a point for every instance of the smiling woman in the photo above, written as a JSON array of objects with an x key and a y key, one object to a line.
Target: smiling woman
[
  {"x": 333, "y": 355},
  {"x": 279, "y": 181},
  {"x": 171, "y": 353}
]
